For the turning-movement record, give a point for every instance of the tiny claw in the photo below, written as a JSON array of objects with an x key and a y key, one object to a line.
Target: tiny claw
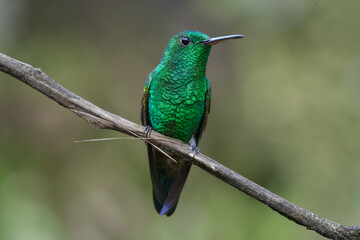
[
  {"x": 195, "y": 150},
  {"x": 147, "y": 131}
]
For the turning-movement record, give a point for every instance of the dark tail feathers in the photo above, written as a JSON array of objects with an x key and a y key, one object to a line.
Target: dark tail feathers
[{"x": 168, "y": 179}]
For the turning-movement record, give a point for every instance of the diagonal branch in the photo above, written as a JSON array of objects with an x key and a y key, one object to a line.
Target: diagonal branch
[{"x": 100, "y": 118}]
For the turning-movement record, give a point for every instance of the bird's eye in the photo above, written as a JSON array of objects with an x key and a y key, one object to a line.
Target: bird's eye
[{"x": 185, "y": 41}]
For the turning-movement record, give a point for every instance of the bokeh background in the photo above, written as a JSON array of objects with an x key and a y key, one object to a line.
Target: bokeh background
[{"x": 285, "y": 114}]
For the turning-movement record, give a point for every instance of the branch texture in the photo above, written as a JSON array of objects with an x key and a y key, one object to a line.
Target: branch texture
[{"x": 100, "y": 118}]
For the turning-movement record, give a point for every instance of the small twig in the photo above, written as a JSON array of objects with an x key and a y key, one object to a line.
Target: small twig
[
  {"x": 109, "y": 139},
  {"x": 152, "y": 144},
  {"x": 106, "y": 120}
]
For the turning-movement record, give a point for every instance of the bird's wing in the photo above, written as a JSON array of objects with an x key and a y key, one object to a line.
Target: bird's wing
[
  {"x": 145, "y": 119},
  {"x": 203, "y": 121}
]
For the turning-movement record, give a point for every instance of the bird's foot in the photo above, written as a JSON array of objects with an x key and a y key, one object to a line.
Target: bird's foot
[
  {"x": 147, "y": 131},
  {"x": 194, "y": 148},
  {"x": 194, "y": 151}
]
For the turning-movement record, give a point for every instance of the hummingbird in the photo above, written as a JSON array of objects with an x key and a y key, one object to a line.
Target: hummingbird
[{"x": 176, "y": 103}]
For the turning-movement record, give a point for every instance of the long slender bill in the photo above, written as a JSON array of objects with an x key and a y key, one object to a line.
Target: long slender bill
[{"x": 216, "y": 40}]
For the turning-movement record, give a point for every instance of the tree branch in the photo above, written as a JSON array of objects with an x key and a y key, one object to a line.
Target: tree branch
[{"x": 100, "y": 118}]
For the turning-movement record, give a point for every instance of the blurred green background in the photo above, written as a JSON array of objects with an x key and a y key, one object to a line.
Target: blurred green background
[{"x": 285, "y": 114}]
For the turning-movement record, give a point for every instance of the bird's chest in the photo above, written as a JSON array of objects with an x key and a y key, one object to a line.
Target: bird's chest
[{"x": 176, "y": 108}]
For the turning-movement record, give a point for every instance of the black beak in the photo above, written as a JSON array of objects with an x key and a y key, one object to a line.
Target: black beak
[{"x": 216, "y": 40}]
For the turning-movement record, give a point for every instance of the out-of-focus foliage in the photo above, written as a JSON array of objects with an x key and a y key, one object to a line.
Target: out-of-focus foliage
[{"x": 285, "y": 114}]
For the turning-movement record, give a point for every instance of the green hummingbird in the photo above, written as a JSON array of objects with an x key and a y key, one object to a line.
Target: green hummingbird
[{"x": 176, "y": 103}]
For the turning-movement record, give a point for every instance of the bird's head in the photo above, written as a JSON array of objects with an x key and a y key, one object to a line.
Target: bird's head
[{"x": 191, "y": 48}]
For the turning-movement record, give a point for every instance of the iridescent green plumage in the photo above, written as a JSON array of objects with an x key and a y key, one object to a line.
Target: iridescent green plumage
[
  {"x": 176, "y": 103},
  {"x": 179, "y": 88}
]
